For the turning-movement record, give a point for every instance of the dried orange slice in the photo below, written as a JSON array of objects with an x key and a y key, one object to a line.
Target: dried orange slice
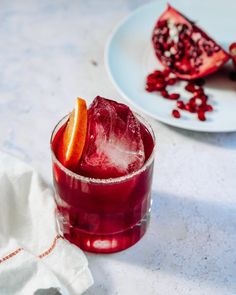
[{"x": 74, "y": 136}]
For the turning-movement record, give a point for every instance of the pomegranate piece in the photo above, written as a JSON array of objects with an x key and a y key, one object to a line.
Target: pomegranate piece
[
  {"x": 184, "y": 48},
  {"x": 176, "y": 114},
  {"x": 114, "y": 145},
  {"x": 232, "y": 50}
]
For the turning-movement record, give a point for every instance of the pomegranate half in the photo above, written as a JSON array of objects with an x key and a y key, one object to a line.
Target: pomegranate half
[{"x": 184, "y": 48}]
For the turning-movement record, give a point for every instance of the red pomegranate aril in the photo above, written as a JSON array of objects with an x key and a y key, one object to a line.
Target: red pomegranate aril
[
  {"x": 192, "y": 102},
  {"x": 204, "y": 98},
  {"x": 166, "y": 72},
  {"x": 160, "y": 80},
  {"x": 201, "y": 115},
  {"x": 202, "y": 108},
  {"x": 159, "y": 86},
  {"x": 150, "y": 89},
  {"x": 158, "y": 73},
  {"x": 190, "y": 87},
  {"x": 150, "y": 76},
  {"x": 199, "y": 92},
  {"x": 151, "y": 80},
  {"x": 208, "y": 108},
  {"x": 155, "y": 75},
  {"x": 232, "y": 50},
  {"x": 174, "y": 96},
  {"x": 180, "y": 104},
  {"x": 190, "y": 108},
  {"x": 176, "y": 114},
  {"x": 171, "y": 81},
  {"x": 165, "y": 94},
  {"x": 187, "y": 107}
]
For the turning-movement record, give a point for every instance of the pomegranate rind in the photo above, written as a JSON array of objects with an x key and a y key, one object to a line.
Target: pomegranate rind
[{"x": 209, "y": 64}]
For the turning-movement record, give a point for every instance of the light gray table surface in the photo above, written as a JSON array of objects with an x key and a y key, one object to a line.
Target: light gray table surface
[{"x": 53, "y": 51}]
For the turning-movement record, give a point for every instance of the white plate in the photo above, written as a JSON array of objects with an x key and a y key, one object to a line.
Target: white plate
[{"x": 130, "y": 57}]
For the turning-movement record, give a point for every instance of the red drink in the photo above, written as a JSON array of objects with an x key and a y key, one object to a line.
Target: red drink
[{"x": 103, "y": 215}]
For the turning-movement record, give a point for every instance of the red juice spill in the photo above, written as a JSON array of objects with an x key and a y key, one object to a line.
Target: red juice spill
[{"x": 104, "y": 216}]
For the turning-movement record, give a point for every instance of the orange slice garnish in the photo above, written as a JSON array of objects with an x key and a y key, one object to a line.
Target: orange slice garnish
[{"x": 74, "y": 136}]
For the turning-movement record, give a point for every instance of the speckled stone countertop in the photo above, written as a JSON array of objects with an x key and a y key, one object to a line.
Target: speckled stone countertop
[{"x": 51, "y": 52}]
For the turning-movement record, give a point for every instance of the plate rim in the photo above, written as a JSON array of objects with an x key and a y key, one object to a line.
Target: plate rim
[{"x": 111, "y": 36}]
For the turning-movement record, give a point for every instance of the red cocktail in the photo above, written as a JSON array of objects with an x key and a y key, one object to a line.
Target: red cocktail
[{"x": 103, "y": 205}]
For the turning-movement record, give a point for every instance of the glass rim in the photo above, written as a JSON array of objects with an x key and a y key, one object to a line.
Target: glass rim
[{"x": 104, "y": 180}]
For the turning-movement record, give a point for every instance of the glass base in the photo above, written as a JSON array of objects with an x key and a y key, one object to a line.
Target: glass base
[{"x": 108, "y": 243}]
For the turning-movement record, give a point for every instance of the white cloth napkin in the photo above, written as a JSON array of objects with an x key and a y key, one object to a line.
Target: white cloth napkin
[{"x": 34, "y": 258}]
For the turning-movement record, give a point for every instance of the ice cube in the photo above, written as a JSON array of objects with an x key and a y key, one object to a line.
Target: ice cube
[{"x": 114, "y": 145}]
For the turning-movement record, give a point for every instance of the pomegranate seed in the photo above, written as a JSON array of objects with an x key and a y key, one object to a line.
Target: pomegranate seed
[
  {"x": 192, "y": 103},
  {"x": 232, "y": 50},
  {"x": 208, "y": 108},
  {"x": 176, "y": 114},
  {"x": 151, "y": 77},
  {"x": 195, "y": 95},
  {"x": 165, "y": 94},
  {"x": 190, "y": 87},
  {"x": 190, "y": 108},
  {"x": 204, "y": 98},
  {"x": 199, "y": 92},
  {"x": 166, "y": 72},
  {"x": 158, "y": 74},
  {"x": 201, "y": 115},
  {"x": 149, "y": 88},
  {"x": 171, "y": 81},
  {"x": 187, "y": 107},
  {"x": 151, "y": 81},
  {"x": 180, "y": 104},
  {"x": 174, "y": 96},
  {"x": 159, "y": 86},
  {"x": 160, "y": 80}
]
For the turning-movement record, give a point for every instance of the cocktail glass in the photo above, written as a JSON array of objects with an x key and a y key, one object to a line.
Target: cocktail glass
[{"x": 103, "y": 215}]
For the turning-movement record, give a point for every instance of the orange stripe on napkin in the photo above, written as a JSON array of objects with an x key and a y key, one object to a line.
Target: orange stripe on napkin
[
  {"x": 10, "y": 255},
  {"x": 45, "y": 253},
  {"x": 49, "y": 250}
]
